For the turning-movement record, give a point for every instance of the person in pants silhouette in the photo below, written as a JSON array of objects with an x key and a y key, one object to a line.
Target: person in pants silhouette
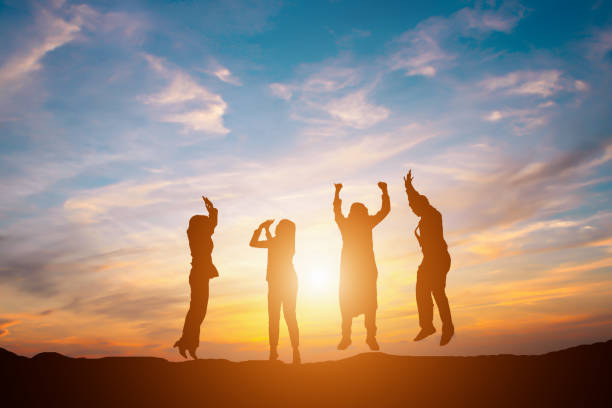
[
  {"x": 358, "y": 272},
  {"x": 282, "y": 282},
  {"x": 199, "y": 233},
  {"x": 431, "y": 275}
]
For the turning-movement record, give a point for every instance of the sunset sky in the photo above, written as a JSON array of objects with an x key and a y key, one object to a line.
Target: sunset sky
[{"x": 115, "y": 117}]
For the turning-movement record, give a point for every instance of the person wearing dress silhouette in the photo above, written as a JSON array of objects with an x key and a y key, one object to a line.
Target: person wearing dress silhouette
[
  {"x": 282, "y": 282},
  {"x": 199, "y": 234},
  {"x": 358, "y": 272},
  {"x": 431, "y": 275}
]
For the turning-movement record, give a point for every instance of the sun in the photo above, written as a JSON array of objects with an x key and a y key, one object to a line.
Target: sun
[{"x": 318, "y": 280}]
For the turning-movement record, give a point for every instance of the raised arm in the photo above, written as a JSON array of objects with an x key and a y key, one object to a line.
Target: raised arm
[
  {"x": 212, "y": 213},
  {"x": 255, "y": 241},
  {"x": 410, "y": 190},
  {"x": 338, "y": 205},
  {"x": 385, "y": 207},
  {"x": 418, "y": 202}
]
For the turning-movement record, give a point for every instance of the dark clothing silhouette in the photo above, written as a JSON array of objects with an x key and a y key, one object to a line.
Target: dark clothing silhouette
[
  {"x": 431, "y": 275},
  {"x": 282, "y": 281},
  {"x": 201, "y": 245},
  {"x": 358, "y": 272}
]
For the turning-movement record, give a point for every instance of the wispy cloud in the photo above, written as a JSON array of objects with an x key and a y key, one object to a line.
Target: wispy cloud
[
  {"x": 222, "y": 73},
  {"x": 421, "y": 51},
  {"x": 355, "y": 111},
  {"x": 54, "y": 32},
  {"x": 281, "y": 91},
  {"x": 333, "y": 98},
  {"x": 540, "y": 83},
  {"x": 191, "y": 105}
]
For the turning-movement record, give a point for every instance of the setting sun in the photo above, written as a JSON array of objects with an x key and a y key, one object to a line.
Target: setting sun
[{"x": 319, "y": 280}]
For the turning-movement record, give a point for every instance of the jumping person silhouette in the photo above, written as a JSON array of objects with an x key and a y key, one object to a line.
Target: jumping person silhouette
[
  {"x": 431, "y": 275},
  {"x": 358, "y": 272},
  {"x": 282, "y": 282},
  {"x": 199, "y": 233}
]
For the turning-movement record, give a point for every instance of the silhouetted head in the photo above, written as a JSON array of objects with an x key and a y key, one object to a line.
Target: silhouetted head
[
  {"x": 419, "y": 203},
  {"x": 198, "y": 225},
  {"x": 285, "y": 232},
  {"x": 358, "y": 212}
]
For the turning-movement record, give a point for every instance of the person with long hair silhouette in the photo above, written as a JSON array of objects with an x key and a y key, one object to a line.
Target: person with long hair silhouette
[
  {"x": 282, "y": 282},
  {"x": 358, "y": 272},
  {"x": 199, "y": 234},
  {"x": 431, "y": 275}
]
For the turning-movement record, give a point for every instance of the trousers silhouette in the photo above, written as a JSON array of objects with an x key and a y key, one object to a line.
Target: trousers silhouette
[
  {"x": 431, "y": 280},
  {"x": 285, "y": 295},
  {"x": 369, "y": 322},
  {"x": 197, "y": 309}
]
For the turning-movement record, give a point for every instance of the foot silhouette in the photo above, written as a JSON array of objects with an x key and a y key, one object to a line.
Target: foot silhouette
[
  {"x": 273, "y": 355},
  {"x": 372, "y": 343},
  {"x": 447, "y": 335},
  {"x": 297, "y": 359},
  {"x": 192, "y": 353},
  {"x": 344, "y": 343},
  {"x": 425, "y": 333},
  {"x": 181, "y": 348}
]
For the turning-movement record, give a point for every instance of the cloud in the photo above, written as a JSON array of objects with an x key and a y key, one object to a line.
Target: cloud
[
  {"x": 503, "y": 19},
  {"x": 534, "y": 206},
  {"x": 504, "y": 89},
  {"x": 600, "y": 44},
  {"x": 131, "y": 305},
  {"x": 222, "y": 73},
  {"x": 192, "y": 105},
  {"x": 332, "y": 99},
  {"x": 355, "y": 111},
  {"x": 540, "y": 83},
  {"x": 5, "y": 324},
  {"x": 523, "y": 120},
  {"x": 281, "y": 91},
  {"x": 420, "y": 51},
  {"x": 226, "y": 76},
  {"x": 54, "y": 32},
  {"x": 421, "y": 57}
]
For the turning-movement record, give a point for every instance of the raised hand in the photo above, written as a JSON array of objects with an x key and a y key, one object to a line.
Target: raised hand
[
  {"x": 408, "y": 179},
  {"x": 266, "y": 224},
  {"x": 382, "y": 185},
  {"x": 209, "y": 205},
  {"x": 338, "y": 186}
]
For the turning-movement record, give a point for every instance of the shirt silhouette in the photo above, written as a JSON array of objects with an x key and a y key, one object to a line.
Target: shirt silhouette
[
  {"x": 358, "y": 272},
  {"x": 282, "y": 282},
  {"x": 199, "y": 233},
  {"x": 431, "y": 275}
]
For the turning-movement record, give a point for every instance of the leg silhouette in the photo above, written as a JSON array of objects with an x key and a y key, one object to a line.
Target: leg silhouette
[
  {"x": 370, "y": 325},
  {"x": 195, "y": 315},
  {"x": 294, "y": 332},
  {"x": 424, "y": 304},
  {"x": 347, "y": 322},
  {"x": 445, "y": 315},
  {"x": 274, "y": 306}
]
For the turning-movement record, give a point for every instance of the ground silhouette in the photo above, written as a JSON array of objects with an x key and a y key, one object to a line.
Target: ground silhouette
[{"x": 579, "y": 376}]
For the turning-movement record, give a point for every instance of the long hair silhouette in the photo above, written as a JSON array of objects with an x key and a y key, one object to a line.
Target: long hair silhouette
[
  {"x": 282, "y": 282},
  {"x": 199, "y": 234}
]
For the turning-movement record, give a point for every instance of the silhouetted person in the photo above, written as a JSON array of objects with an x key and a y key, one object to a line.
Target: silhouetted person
[
  {"x": 431, "y": 275},
  {"x": 282, "y": 282},
  {"x": 358, "y": 272},
  {"x": 199, "y": 233}
]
